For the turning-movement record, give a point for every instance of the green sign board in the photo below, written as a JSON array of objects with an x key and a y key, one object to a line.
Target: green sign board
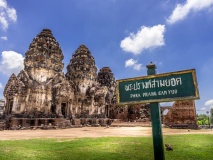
[{"x": 165, "y": 87}]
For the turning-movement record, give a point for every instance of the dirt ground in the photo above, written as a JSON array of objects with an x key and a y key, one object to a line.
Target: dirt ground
[{"x": 92, "y": 132}]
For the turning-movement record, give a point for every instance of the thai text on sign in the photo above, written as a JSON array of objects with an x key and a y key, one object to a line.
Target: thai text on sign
[
  {"x": 161, "y": 87},
  {"x": 154, "y": 84}
]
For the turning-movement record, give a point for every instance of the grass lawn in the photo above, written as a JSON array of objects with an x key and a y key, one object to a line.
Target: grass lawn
[{"x": 186, "y": 147}]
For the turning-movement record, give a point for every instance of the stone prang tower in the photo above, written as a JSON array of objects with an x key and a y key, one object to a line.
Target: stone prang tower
[
  {"x": 41, "y": 88},
  {"x": 44, "y": 57},
  {"x": 90, "y": 95},
  {"x": 82, "y": 70}
]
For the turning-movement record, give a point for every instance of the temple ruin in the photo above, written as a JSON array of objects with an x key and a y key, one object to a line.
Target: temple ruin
[
  {"x": 182, "y": 114},
  {"x": 42, "y": 96}
]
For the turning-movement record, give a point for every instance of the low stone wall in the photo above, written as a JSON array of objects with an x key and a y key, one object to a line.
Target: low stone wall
[
  {"x": 33, "y": 123},
  {"x": 52, "y": 123},
  {"x": 183, "y": 126},
  {"x": 94, "y": 122}
]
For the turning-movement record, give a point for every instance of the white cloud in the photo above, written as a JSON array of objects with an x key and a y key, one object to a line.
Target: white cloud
[
  {"x": 3, "y": 22},
  {"x": 182, "y": 10},
  {"x": 1, "y": 86},
  {"x": 4, "y": 38},
  {"x": 130, "y": 62},
  {"x": 133, "y": 63},
  {"x": 137, "y": 67},
  {"x": 3, "y": 3},
  {"x": 11, "y": 62},
  {"x": 203, "y": 109},
  {"x": 209, "y": 103},
  {"x": 145, "y": 38},
  {"x": 12, "y": 14},
  {"x": 7, "y": 14}
]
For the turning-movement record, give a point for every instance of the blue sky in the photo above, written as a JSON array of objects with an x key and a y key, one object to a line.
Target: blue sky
[{"x": 124, "y": 35}]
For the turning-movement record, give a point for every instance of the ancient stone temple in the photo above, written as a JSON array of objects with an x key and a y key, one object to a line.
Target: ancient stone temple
[{"x": 42, "y": 94}]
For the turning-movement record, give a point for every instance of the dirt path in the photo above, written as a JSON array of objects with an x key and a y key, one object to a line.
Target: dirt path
[{"x": 92, "y": 132}]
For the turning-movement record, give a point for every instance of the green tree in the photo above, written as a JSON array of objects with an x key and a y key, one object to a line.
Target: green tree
[
  {"x": 202, "y": 117},
  {"x": 206, "y": 121}
]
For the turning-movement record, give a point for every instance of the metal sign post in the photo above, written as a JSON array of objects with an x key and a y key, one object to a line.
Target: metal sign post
[{"x": 156, "y": 122}]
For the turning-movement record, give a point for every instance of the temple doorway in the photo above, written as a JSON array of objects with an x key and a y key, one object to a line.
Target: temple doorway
[
  {"x": 53, "y": 109},
  {"x": 10, "y": 107},
  {"x": 63, "y": 109},
  {"x": 107, "y": 111}
]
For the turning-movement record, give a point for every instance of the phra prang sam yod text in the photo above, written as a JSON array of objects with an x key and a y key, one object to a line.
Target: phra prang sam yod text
[{"x": 154, "y": 84}]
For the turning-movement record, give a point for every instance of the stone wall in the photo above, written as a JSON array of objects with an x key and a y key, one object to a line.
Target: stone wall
[{"x": 181, "y": 115}]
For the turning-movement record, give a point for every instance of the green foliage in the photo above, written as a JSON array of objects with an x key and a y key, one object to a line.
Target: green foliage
[
  {"x": 206, "y": 122},
  {"x": 190, "y": 147},
  {"x": 200, "y": 122},
  {"x": 202, "y": 117}
]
